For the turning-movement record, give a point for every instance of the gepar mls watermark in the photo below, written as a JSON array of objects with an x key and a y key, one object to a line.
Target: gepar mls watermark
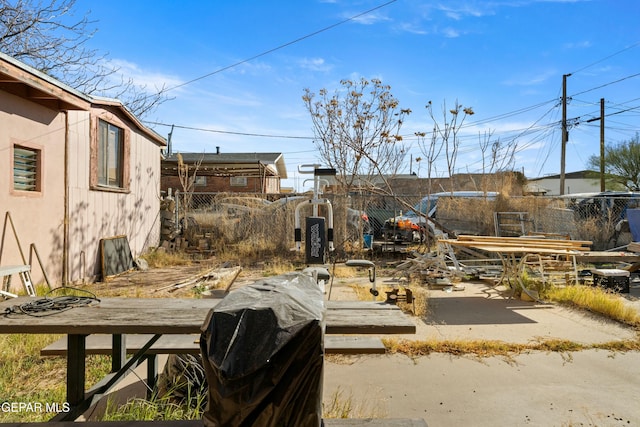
[{"x": 35, "y": 407}]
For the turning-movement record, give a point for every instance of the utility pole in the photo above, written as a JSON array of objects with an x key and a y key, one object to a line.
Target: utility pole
[{"x": 565, "y": 133}]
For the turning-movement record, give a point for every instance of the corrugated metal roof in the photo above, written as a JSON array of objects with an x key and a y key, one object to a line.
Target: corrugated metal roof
[{"x": 233, "y": 160}]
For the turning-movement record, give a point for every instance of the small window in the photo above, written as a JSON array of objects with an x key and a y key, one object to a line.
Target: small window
[
  {"x": 201, "y": 181},
  {"x": 110, "y": 155},
  {"x": 26, "y": 168},
  {"x": 238, "y": 181}
]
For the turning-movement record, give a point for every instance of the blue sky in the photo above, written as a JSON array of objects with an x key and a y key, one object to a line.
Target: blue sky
[{"x": 505, "y": 59}]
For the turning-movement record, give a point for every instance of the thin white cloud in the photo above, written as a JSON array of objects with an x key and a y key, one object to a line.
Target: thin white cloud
[
  {"x": 464, "y": 10},
  {"x": 369, "y": 18},
  {"x": 412, "y": 28},
  {"x": 150, "y": 80},
  {"x": 450, "y": 32},
  {"x": 315, "y": 64},
  {"x": 531, "y": 80},
  {"x": 578, "y": 45}
]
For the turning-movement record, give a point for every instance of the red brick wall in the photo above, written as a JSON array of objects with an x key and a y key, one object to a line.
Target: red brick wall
[{"x": 215, "y": 184}]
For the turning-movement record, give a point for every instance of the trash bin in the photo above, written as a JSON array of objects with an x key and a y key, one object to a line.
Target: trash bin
[
  {"x": 263, "y": 353},
  {"x": 368, "y": 241}
]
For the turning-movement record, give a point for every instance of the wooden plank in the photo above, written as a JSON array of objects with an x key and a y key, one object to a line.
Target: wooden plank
[
  {"x": 182, "y": 316},
  {"x": 603, "y": 256},
  {"x": 518, "y": 242},
  {"x": 525, "y": 239},
  {"x": 634, "y": 247},
  {"x": 353, "y": 345},
  {"x": 360, "y": 305},
  {"x": 101, "y": 344},
  {"x": 361, "y": 322},
  {"x": 190, "y": 344},
  {"x": 329, "y": 422},
  {"x": 514, "y": 248}
]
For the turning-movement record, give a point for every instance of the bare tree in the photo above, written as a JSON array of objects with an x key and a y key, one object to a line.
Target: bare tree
[
  {"x": 47, "y": 35},
  {"x": 357, "y": 129},
  {"x": 187, "y": 174},
  {"x": 446, "y": 133},
  {"x": 496, "y": 155}
]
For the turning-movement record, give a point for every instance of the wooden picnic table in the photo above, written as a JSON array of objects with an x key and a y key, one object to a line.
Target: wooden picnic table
[{"x": 159, "y": 316}]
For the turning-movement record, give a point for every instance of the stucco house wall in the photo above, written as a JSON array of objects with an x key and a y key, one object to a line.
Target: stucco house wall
[
  {"x": 96, "y": 213},
  {"x": 70, "y": 212},
  {"x": 38, "y": 217}
]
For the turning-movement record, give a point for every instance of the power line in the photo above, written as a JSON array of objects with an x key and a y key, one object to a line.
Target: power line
[
  {"x": 282, "y": 46},
  {"x": 262, "y": 135},
  {"x": 606, "y": 84},
  {"x": 606, "y": 57}
]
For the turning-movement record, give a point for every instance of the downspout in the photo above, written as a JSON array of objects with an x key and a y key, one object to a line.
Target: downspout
[{"x": 65, "y": 230}]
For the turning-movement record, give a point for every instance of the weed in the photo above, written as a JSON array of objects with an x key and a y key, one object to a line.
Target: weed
[
  {"x": 491, "y": 348},
  {"x": 342, "y": 405},
  {"x": 418, "y": 307},
  {"x": 25, "y": 376},
  {"x": 160, "y": 258},
  {"x": 596, "y": 300},
  {"x": 156, "y": 408}
]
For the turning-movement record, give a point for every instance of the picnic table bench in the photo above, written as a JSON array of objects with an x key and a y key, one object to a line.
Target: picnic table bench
[
  {"x": 190, "y": 344},
  {"x": 164, "y": 316}
]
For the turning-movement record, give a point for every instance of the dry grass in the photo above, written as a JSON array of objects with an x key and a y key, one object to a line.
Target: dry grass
[
  {"x": 160, "y": 258},
  {"x": 492, "y": 348},
  {"x": 277, "y": 267},
  {"x": 25, "y": 376},
  {"x": 598, "y": 230},
  {"x": 596, "y": 300},
  {"x": 343, "y": 405},
  {"x": 419, "y": 307},
  {"x": 155, "y": 409}
]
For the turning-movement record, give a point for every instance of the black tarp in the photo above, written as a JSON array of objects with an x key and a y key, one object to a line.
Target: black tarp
[{"x": 263, "y": 353}]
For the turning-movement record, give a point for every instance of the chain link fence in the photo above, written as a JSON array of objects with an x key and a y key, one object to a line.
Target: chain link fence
[{"x": 219, "y": 221}]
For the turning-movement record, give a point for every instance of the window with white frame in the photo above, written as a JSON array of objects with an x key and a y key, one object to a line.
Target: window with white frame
[
  {"x": 26, "y": 168},
  {"x": 110, "y": 155},
  {"x": 238, "y": 181}
]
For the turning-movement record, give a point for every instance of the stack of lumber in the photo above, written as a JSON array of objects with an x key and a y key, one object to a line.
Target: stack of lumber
[
  {"x": 634, "y": 247},
  {"x": 521, "y": 244}
]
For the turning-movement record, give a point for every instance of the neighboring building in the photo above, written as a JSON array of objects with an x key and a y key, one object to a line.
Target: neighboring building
[
  {"x": 574, "y": 182},
  {"x": 74, "y": 169},
  {"x": 227, "y": 172},
  {"x": 402, "y": 184}
]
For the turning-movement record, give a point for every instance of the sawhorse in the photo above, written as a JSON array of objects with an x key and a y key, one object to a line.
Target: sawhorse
[{"x": 25, "y": 276}]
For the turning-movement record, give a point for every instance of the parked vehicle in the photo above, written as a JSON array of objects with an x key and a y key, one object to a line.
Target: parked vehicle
[
  {"x": 607, "y": 206},
  {"x": 412, "y": 227}
]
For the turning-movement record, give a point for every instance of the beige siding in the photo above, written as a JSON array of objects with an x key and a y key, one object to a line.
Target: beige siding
[
  {"x": 97, "y": 214},
  {"x": 38, "y": 217}
]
